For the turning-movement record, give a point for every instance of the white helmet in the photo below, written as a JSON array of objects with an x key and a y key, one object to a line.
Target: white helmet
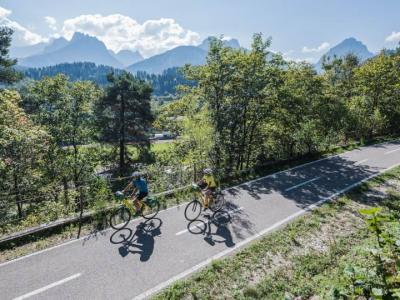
[
  {"x": 135, "y": 174},
  {"x": 207, "y": 171}
]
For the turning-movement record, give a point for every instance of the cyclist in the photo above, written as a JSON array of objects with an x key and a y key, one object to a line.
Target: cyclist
[
  {"x": 140, "y": 189},
  {"x": 208, "y": 185}
]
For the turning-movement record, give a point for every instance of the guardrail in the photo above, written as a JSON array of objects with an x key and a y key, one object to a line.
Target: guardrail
[{"x": 72, "y": 219}]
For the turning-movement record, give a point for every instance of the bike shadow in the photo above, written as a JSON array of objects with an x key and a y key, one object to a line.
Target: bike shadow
[
  {"x": 215, "y": 228},
  {"x": 141, "y": 241}
]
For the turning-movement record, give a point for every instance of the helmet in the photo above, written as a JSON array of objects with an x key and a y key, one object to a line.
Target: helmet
[
  {"x": 207, "y": 171},
  {"x": 119, "y": 194},
  {"x": 135, "y": 174}
]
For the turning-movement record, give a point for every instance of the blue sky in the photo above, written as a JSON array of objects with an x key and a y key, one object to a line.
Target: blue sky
[{"x": 299, "y": 29}]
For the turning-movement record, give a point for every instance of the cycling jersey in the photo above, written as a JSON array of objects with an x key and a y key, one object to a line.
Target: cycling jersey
[
  {"x": 209, "y": 180},
  {"x": 141, "y": 185}
]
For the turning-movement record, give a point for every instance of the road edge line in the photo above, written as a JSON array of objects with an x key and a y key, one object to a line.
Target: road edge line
[{"x": 47, "y": 287}]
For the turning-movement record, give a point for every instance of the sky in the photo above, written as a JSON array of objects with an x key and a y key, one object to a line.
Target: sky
[{"x": 300, "y": 29}]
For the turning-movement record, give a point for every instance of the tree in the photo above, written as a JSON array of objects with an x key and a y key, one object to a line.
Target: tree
[
  {"x": 378, "y": 85},
  {"x": 124, "y": 115},
  {"x": 7, "y": 73},
  {"x": 23, "y": 146},
  {"x": 65, "y": 110},
  {"x": 339, "y": 89}
]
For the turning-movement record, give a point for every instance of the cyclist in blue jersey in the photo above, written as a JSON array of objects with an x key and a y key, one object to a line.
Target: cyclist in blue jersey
[{"x": 140, "y": 189}]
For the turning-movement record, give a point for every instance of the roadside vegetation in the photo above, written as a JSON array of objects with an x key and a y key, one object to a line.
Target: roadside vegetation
[
  {"x": 66, "y": 146},
  {"x": 345, "y": 249}
]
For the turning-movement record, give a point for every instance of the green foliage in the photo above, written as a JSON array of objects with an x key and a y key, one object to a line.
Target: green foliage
[
  {"x": 7, "y": 72},
  {"x": 124, "y": 115},
  {"x": 164, "y": 84},
  {"x": 23, "y": 146}
]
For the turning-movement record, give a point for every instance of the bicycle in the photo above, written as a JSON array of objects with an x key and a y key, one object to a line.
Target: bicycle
[
  {"x": 119, "y": 218},
  {"x": 195, "y": 207}
]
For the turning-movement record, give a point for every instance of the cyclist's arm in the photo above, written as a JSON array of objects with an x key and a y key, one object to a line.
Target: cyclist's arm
[{"x": 127, "y": 187}]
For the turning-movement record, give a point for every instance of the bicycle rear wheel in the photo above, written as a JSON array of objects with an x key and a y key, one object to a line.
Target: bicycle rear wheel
[
  {"x": 218, "y": 202},
  {"x": 193, "y": 210},
  {"x": 149, "y": 212},
  {"x": 120, "y": 218}
]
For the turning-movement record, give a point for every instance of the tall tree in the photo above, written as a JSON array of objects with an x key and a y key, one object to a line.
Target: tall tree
[
  {"x": 379, "y": 89},
  {"x": 65, "y": 110},
  {"x": 22, "y": 151},
  {"x": 124, "y": 115},
  {"x": 7, "y": 72}
]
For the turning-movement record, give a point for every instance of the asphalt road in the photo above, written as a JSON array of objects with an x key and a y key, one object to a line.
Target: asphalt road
[{"x": 135, "y": 262}]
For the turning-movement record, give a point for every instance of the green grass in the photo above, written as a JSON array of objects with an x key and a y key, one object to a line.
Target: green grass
[{"x": 305, "y": 258}]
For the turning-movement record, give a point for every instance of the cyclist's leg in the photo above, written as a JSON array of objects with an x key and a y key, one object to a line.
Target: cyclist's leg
[
  {"x": 207, "y": 195},
  {"x": 136, "y": 202},
  {"x": 139, "y": 197}
]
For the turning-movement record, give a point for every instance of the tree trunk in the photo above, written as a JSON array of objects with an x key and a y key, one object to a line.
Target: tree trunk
[
  {"x": 81, "y": 211},
  {"x": 122, "y": 137},
  {"x": 17, "y": 196},
  {"x": 66, "y": 194},
  {"x": 249, "y": 148}
]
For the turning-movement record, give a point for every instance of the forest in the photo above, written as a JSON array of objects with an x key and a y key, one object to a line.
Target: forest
[
  {"x": 67, "y": 144},
  {"x": 163, "y": 84}
]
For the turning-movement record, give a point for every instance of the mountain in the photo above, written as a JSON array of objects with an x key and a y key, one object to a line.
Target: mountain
[
  {"x": 55, "y": 45},
  {"x": 178, "y": 57},
  {"x": 25, "y": 51},
  {"x": 127, "y": 57},
  {"x": 350, "y": 45},
  {"x": 81, "y": 48},
  {"x": 233, "y": 43},
  {"x": 40, "y": 48}
]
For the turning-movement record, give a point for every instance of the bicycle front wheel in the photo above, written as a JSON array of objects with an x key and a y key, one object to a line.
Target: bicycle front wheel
[
  {"x": 193, "y": 210},
  {"x": 120, "y": 218},
  {"x": 150, "y": 212}
]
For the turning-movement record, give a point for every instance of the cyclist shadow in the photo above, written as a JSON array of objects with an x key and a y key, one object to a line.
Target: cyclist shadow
[
  {"x": 215, "y": 229},
  {"x": 140, "y": 241}
]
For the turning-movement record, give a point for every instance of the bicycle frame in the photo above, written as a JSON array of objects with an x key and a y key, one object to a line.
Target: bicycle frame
[{"x": 199, "y": 193}]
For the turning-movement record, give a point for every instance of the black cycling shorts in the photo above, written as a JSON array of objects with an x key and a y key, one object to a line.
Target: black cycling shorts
[{"x": 141, "y": 195}]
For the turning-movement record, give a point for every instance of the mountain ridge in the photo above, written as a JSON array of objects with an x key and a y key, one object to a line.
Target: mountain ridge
[
  {"x": 347, "y": 46},
  {"x": 178, "y": 57}
]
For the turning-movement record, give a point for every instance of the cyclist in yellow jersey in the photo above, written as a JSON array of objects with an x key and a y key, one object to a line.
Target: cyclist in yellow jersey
[{"x": 209, "y": 184}]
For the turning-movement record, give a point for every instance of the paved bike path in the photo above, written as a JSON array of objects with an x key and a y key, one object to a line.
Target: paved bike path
[{"x": 140, "y": 260}]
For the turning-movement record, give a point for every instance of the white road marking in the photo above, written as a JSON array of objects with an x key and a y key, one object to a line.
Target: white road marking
[
  {"x": 198, "y": 226},
  {"x": 391, "y": 151},
  {"x": 177, "y": 206},
  {"x": 38, "y": 291},
  {"x": 301, "y": 184},
  {"x": 195, "y": 268},
  {"x": 360, "y": 162}
]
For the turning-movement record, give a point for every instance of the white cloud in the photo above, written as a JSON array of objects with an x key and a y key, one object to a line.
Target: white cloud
[
  {"x": 320, "y": 48},
  {"x": 393, "y": 37},
  {"x": 4, "y": 13},
  {"x": 120, "y": 32},
  {"x": 22, "y": 36},
  {"x": 51, "y": 22},
  {"x": 288, "y": 56}
]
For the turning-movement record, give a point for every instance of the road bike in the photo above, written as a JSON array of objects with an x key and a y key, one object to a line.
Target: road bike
[
  {"x": 195, "y": 207},
  {"x": 121, "y": 216}
]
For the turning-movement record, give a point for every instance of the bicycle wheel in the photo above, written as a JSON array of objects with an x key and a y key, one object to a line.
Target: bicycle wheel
[
  {"x": 120, "y": 218},
  {"x": 193, "y": 210},
  {"x": 150, "y": 212},
  {"x": 218, "y": 202}
]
